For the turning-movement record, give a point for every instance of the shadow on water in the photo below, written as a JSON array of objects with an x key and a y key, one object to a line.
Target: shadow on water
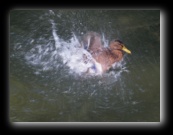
[{"x": 44, "y": 89}]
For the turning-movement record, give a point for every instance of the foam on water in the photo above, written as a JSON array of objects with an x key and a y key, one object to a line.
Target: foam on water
[{"x": 70, "y": 54}]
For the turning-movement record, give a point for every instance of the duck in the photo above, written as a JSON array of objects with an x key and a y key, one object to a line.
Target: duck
[{"x": 105, "y": 56}]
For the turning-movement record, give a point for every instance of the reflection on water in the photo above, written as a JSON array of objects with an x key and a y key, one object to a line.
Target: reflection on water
[{"x": 46, "y": 77}]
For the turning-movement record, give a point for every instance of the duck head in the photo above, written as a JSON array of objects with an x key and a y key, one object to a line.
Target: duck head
[{"x": 118, "y": 45}]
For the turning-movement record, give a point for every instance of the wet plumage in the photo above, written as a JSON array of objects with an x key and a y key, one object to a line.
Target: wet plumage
[{"x": 104, "y": 56}]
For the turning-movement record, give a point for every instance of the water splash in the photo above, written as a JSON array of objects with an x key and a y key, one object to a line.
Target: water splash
[{"x": 59, "y": 53}]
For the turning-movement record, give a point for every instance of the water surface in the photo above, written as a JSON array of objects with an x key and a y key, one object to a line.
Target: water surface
[{"x": 44, "y": 89}]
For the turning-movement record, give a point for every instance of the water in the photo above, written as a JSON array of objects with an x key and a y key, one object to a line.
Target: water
[{"x": 47, "y": 76}]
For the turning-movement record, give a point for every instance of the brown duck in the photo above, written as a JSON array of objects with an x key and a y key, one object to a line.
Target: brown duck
[{"x": 106, "y": 57}]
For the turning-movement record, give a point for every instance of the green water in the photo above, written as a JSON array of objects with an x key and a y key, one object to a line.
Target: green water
[{"x": 56, "y": 96}]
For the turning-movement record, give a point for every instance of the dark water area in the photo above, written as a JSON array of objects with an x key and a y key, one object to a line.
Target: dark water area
[{"x": 43, "y": 89}]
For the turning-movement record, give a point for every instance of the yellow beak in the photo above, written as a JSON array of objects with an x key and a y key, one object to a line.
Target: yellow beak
[{"x": 126, "y": 50}]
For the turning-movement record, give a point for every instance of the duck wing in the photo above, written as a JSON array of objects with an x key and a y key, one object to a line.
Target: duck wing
[{"x": 92, "y": 42}]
